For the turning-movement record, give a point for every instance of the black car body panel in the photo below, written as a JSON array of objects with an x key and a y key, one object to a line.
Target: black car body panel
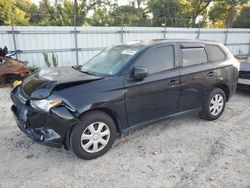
[
  {"x": 40, "y": 84},
  {"x": 47, "y": 128},
  {"x": 131, "y": 103},
  {"x": 244, "y": 75}
]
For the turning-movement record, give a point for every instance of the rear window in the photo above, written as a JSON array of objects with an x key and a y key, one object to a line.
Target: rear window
[
  {"x": 215, "y": 53},
  {"x": 193, "y": 56}
]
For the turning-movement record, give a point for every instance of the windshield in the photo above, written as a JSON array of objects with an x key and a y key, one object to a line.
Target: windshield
[{"x": 110, "y": 61}]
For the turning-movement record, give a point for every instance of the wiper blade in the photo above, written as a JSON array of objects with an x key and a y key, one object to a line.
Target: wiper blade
[
  {"x": 86, "y": 72},
  {"x": 77, "y": 67}
]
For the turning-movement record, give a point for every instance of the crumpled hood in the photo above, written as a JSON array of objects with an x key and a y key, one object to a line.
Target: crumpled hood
[
  {"x": 245, "y": 65},
  {"x": 40, "y": 84}
]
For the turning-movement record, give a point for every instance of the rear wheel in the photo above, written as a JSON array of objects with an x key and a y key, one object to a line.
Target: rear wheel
[
  {"x": 93, "y": 136},
  {"x": 214, "y": 105}
]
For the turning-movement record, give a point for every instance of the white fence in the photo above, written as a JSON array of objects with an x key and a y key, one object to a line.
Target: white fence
[{"x": 84, "y": 42}]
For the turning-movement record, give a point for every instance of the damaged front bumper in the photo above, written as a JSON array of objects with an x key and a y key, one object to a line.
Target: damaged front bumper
[{"x": 49, "y": 128}]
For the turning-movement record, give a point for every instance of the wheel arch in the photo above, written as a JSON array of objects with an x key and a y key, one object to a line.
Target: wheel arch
[
  {"x": 226, "y": 90},
  {"x": 107, "y": 111}
]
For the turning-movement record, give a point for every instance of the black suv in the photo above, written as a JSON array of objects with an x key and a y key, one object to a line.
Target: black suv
[{"x": 124, "y": 87}]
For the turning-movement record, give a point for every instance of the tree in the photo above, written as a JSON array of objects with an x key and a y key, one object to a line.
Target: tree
[
  {"x": 34, "y": 17},
  {"x": 137, "y": 3},
  {"x": 44, "y": 15},
  {"x": 100, "y": 17},
  {"x": 177, "y": 12},
  {"x": 168, "y": 11},
  {"x": 223, "y": 12},
  {"x": 243, "y": 20},
  {"x": 115, "y": 15},
  {"x": 10, "y": 14},
  {"x": 62, "y": 12},
  {"x": 129, "y": 15},
  {"x": 31, "y": 10},
  {"x": 194, "y": 8}
]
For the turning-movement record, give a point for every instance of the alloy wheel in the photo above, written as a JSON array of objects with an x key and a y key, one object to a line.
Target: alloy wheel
[{"x": 216, "y": 104}]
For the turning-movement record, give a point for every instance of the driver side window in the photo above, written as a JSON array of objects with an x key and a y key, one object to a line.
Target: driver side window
[{"x": 157, "y": 59}]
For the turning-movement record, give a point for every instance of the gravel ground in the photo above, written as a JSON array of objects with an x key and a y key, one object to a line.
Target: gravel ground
[{"x": 179, "y": 152}]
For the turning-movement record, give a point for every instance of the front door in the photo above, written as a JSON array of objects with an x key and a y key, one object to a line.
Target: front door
[{"x": 158, "y": 94}]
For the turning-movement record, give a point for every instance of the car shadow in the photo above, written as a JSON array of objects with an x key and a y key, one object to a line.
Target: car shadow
[
  {"x": 33, "y": 151},
  {"x": 242, "y": 92}
]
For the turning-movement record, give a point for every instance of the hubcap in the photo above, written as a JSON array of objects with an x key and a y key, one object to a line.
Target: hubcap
[
  {"x": 216, "y": 104},
  {"x": 95, "y": 137}
]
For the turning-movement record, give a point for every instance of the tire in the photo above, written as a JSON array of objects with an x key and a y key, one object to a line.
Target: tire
[
  {"x": 211, "y": 103},
  {"x": 87, "y": 141}
]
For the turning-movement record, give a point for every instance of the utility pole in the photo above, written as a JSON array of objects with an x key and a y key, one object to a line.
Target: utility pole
[
  {"x": 75, "y": 31},
  {"x": 122, "y": 27},
  {"x": 165, "y": 28}
]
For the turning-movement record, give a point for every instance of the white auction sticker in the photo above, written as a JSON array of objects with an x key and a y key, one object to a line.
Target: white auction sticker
[{"x": 129, "y": 52}]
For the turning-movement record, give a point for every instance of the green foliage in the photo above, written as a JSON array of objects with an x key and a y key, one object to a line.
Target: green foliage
[
  {"x": 129, "y": 15},
  {"x": 11, "y": 13},
  {"x": 46, "y": 59},
  {"x": 100, "y": 17},
  {"x": 53, "y": 62},
  {"x": 164, "y": 11},
  {"x": 173, "y": 13},
  {"x": 243, "y": 20},
  {"x": 223, "y": 12},
  {"x": 194, "y": 8}
]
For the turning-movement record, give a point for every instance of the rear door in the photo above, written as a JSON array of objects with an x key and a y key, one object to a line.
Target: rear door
[
  {"x": 158, "y": 93},
  {"x": 197, "y": 75}
]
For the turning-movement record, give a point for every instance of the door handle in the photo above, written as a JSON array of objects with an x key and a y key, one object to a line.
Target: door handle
[
  {"x": 174, "y": 83},
  {"x": 211, "y": 74}
]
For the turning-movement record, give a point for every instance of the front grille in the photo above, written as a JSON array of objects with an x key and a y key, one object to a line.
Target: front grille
[{"x": 244, "y": 74}]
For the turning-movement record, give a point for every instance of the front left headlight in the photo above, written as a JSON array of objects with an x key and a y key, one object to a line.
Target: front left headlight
[{"x": 45, "y": 104}]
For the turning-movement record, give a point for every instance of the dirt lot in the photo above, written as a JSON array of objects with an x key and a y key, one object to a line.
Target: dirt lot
[{"x": 178, "y": 152}]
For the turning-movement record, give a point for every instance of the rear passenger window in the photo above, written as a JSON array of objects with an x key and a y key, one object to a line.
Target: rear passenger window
[
  {"x": 193, "y": 56},
  {"x": 157, "y": 59},
  {"x": 215, "y": 53}
]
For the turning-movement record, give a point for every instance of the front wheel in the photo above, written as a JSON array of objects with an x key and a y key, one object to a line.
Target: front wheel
[
  {"x": 214, "y": 105},
  {"x": 93, "y": 136}
]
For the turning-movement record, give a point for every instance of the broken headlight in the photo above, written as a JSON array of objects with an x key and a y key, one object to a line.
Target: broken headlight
[{"x": 44, "y": 104}]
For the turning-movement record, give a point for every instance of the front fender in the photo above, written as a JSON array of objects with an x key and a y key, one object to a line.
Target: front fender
[{"x": 117, "y": 113}]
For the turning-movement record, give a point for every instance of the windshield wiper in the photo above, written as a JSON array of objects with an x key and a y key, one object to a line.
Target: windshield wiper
[
  {"x": 86, "y": 72},
  {"x": 77, "y": 67}
]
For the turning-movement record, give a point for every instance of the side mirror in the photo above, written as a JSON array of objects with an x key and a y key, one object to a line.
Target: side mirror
[{"x": 139, "y": 73}]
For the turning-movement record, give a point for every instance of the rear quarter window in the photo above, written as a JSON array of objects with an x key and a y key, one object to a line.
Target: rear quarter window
[
  {"x": 215, "y": 53},
  {"x": 193, "y": 56}
]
